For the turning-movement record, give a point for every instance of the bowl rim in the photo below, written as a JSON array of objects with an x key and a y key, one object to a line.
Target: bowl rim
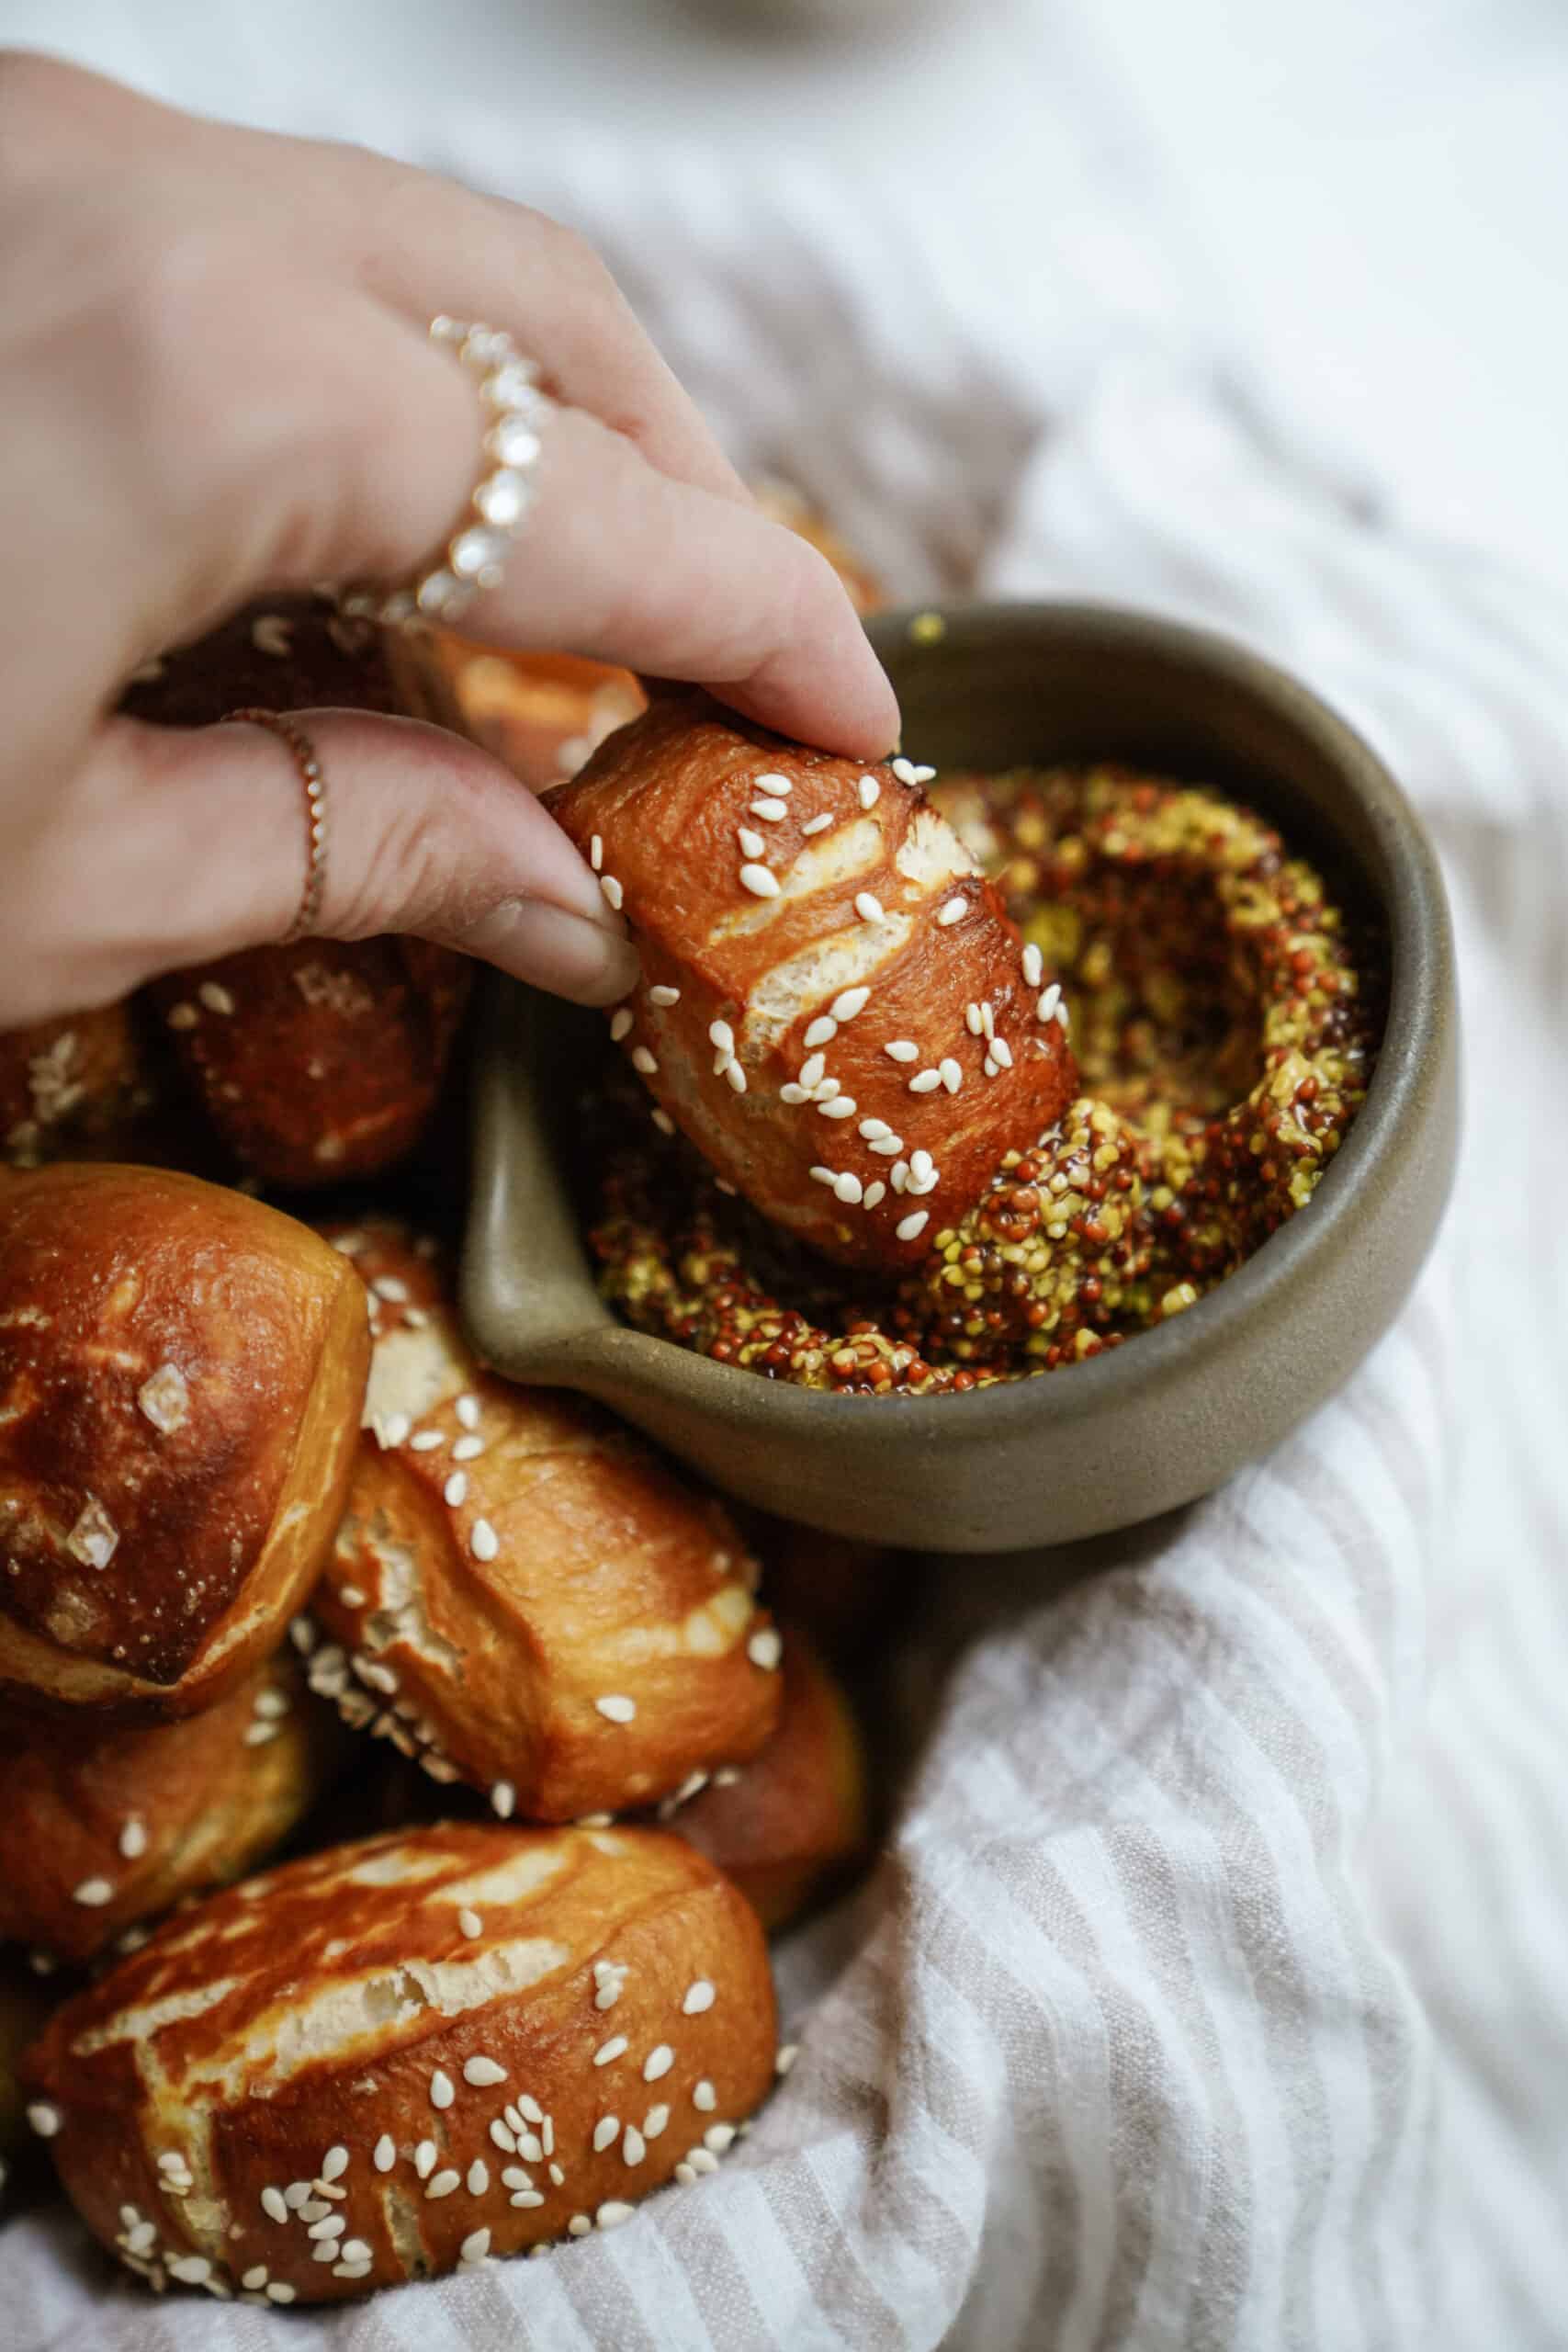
[{"x": 1421, "y": 987}]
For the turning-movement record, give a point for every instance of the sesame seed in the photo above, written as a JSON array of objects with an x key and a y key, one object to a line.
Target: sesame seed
[
  {"x": 818, "y": 825},
  {"x": 751, "y": 843},
  {"x": 736, "y": 1077},
  {"x": 663, "y": 994},
  {"x": 579, "y": 2226},
  {"x": 479, "y": 2177},
  {"x": 529, "y": 2196},
  {"x": 612, "y": 2213},
  {"x": 874, "y": 1193},
  {"x": 824, "y": 1176},
  {"x": 482, "y": 2072},
  {"x": 721, "y": 1034},
  {"x": 699, "y": 1995},
  {"x": 483, "y": 1542},
  {"x": 474, "y": 2246},
  {"x": 868, "y": 908},
  {"x": 1046, "y": 1008},
  {"x": 615, "y": 1709},
  {"x": 659, "y": 2061},
  {"x": 925, "y": 1082},
  {"x": 94, "y": 1892},
  {"x": 468, "y": 1448},
  {"x": 664, "y": 1122},
  {"x": 685, "y": 2176},
  {"x": 1003, "y": 1052},
  {"x": 190, "y": 2269},
  {"x": 470, "y": 1922},
  {"x": 133, "y": 1839},
  {"x": 634, "y": 2147},
  {"x": 254, "y": 2279},
  {"x": 972, "y": 1019},
  {"x": 614, "y": 894},
  {"x": 443, "y": 2183},
  {"x": 952, "y": 911},
  {"x": 874, "y": 1129},
  {"x": 822, "y": 1032},
  {"x": 457, "y": 1487},
  {"x": 182, "y": 1016},
  {"x": 771, "y": 811},
  {"x": 848, "y": 1189},
  {"x": 888, "y": 1147},
  {"x": 772, "y": 782},
  {"x": 467, "y": 1408},
  {"x": 351, "y": 1596},
  {"x": 425, "y": 1441},
  {"x": 279, "y": 2290},
  {"x": 813, "y": 1070},
  {"x": 703, "y": 2096},
  {"x": 760, "y": 881},
  {"x": 644, "y": 1062},
  {"x": 557, "y": 2176},
  {"x": 442, "y": 2093},
  {"x": 609, "y": 2050},
  {"x": 332, "y": 2226},
  {"x": 898, "y": 1174},
  {"x": 988, "y": 1019},
  {"x": 1062, "y": 1018},
  {"x": 1033, "y": 965},
  {"x": 384, "y": 2155},
  {"x": 596, "y": 851},
  {"x": 334, "y": 2164},
  {"x": 991, "y": 1067},
  {"x": 910, "y": 1228},
  {"x": 298, "y": 2195},
  {"x": 215, "y": 997},
  {"x": 702, "y": 2160},
  {"x": 842, "y": 1106},
  {"x": 273, "y": 2204},
  {"x": 765, "y": 1648},
  {"x": 793, "y": 1093},
  {"x": 788, "y": 2052},
  {"x": 502, "y": 1798},
  {"x": 605, "y": 2131},
  {"x": 902, "y": 1049},
  {"x": 869, "y": 790},
  {"x": 503, "y": 2136},
  {"x": 620, "y": 1025},
  {"x": 513, "y": 2177},
  {"x": 903, "y": 770}
]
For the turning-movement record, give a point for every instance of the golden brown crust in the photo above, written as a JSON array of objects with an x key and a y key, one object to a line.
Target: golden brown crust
[
  {"x": 322, "y": 1060},
  {"x": 413, "y": 2022},
  {"x": 99, "y": 1833},
  {"x": 788, "y": 1827},
  {"x": 876, "y": 970},
  {"x": 71, "y": 1086},
  {"x": 552, "y": 1614},
  {"x": 181, "y": 1371},
  {"x": 542, "y": 713}
]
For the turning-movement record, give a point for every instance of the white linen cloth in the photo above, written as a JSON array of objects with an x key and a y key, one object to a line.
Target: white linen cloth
[{"x": 1208, "y": 1994}]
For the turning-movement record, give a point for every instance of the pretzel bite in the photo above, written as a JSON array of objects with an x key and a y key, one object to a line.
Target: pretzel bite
[
  {"x": 99, "y": 1833},
  {"x": 521, "y": 1593},
  {"x": 790, "y": 1826},
  {"x": 834, "y": 1006},
  {"x": 405, "y": 2056},
  {"x": 181, "y": 1372},
  {"x": 323, "y": 1059}
]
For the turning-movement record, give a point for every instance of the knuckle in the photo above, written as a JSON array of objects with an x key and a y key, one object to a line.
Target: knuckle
[{"x": 418, "y": 870}]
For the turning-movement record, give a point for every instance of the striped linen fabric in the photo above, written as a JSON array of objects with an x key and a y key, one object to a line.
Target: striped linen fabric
[{"x": 1208, "y": 1993}]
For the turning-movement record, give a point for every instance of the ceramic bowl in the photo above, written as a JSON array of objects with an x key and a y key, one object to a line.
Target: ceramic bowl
[{"x": 1173, "y": 1412}]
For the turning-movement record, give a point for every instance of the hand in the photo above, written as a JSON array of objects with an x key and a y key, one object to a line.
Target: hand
[{"x": 217, "y": 380}]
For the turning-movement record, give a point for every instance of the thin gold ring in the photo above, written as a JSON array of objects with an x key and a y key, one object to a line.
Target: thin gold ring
[
  {"x": 309, "y": 769},
  {"x": 513, "y": 409}
]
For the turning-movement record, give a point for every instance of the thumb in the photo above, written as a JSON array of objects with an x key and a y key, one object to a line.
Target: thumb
[{"x": 202, "y": 839}]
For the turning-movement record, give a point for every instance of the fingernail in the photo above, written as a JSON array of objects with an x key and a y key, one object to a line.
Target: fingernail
[{"x": 551, "y": 949}]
